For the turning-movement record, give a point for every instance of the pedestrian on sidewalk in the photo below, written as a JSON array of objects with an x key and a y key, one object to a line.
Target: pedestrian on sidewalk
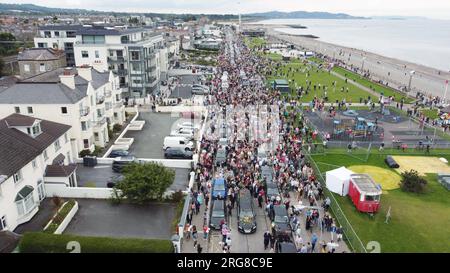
[
  {"x": 229, "y": 208},
  {"x": 199, "y": 249},
  {"x": 194, "y": 235},
  {"x": 206, "y": 200},
  {"x": 266, "y": 239},
  {"x": 205, "y": 232},
  {"x": 314, "y": 239}
]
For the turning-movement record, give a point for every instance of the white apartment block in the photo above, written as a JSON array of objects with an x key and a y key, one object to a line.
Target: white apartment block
[
  {"x": 81, "y": 97},
  {"x": 137, "y": 55},
  {"x": 33, "y": 152}
]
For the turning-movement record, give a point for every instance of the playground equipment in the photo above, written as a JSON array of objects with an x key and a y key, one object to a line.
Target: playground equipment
[
  {"x": 363, "y": 127},
  {"x": 342, "y": 127}
]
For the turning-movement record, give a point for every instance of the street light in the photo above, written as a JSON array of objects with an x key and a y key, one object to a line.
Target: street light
[
  {"x": 362, "y": 66},
  {"x": 411, "y": 73}
]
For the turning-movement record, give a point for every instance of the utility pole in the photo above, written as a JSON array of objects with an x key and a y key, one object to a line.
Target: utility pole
[
  {"x": 446, "y": 89},
  {"x": 410, "y": 79}
]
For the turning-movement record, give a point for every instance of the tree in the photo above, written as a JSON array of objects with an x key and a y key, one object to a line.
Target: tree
[
  {"x": 2, "y": 66},
  {"x": 412, "y": 182},
  {"x": 145, "y": 182}
]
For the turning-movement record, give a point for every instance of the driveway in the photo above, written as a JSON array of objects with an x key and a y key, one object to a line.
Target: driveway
[
  {"x": 101, "y": 218},
  {"x": 99, "y": 175},
  {"x": 149, "y": 141}
]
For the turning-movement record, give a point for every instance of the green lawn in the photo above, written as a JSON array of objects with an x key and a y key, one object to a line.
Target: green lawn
[
  {"x": 386, "y": 91},
  {"x": 318, "y": 76},
  {"x": 254, "y": 42},
  {"x": 430, "y": 113},
  {"x": 419, "y": 223}
]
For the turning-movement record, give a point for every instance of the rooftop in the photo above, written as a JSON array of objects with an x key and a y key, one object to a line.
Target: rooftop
[
  {"x": 17, "y": 148},
  {"x": 40, "y": 54}
]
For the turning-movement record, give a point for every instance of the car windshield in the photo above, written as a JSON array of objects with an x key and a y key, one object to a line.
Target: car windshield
[
  {"x": 246, "y": 214},
  {"x": 281, "y": 219},
  {"x": 218, "y": 213},
  {"x": 219, "y": 187}
]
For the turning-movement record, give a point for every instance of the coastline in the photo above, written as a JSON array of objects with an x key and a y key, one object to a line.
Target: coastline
[{"x": 391, "y": 70}]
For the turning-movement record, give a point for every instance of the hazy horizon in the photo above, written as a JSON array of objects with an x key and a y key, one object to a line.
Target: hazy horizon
[{"x": 433, "y": 9}]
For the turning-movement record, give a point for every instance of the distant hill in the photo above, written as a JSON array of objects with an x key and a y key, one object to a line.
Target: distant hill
[
  {"x": 302, "y": 15},
  {"x": 31, "y": 8}
]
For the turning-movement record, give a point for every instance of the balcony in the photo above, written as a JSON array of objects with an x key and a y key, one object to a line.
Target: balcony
[
  {"x": 100, "y": 99},
  {"x": 84, "y": 111},
  {"x": 151, "y": 68},
  {"x": 108, "y": 106},
  {"x": 123, "y": 85},
  {"x": 122, "y": 72},
  {"x": 100, "y": 122},
  {"x": 116, "y": 59}
]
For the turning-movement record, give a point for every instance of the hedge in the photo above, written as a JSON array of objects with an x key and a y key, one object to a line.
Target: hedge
[
  {"x": 40, "y": 242},
  {"x": 60, "y": 216}
]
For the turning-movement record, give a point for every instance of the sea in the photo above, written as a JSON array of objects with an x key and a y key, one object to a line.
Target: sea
[{"x": 422, "y": 41}]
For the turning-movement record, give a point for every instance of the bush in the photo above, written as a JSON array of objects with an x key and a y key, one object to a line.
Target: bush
[
  {"x": 117, "y": 128},
  {"x": 98, "y": 150},
  {"x": 60, "y": 216},
  {"x": 84, "y": 153},
  {"x": 412, "y": 182},
  {"x": 39, "y": 242}
]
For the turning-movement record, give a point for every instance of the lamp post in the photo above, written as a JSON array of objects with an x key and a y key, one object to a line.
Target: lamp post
[
  {"x": 446, "y": 89},
  {"x": 411, "y": 73},
  {"x": 362, "y": 66}
]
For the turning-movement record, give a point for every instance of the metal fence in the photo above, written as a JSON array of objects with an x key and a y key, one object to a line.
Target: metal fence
[{"x": 350, "y": 236}]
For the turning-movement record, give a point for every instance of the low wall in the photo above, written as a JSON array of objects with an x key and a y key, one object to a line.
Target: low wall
[
  {"x": 124, "y": 131},
  {"x": 179, "y": 109},
  {"x": 78, "y": 192},
  {"x": 67, "y": 220}
]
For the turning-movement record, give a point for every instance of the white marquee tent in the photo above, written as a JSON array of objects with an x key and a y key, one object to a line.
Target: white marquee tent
[{"x": 338, "y": 180}]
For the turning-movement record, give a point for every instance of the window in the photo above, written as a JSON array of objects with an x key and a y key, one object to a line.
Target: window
[
  {"x": 41, "y": 190},
  {"x": 34, "y": 163},
  {"x": 86, "y": 143},
  {"x": 45, "y": 155},
  {"x": 25, "y": 200},
  {"x": 26, "y": 67},
  {"x": 55, "y": 45},
  {"x": 57, "y": 145},
  {"x": 17, "y": 110},
  {"x": 36, "y": 129},
  {"x": 42, "y": 45},
  {"x": 83, "y": 126},
  {"x": 135, "y": 55},
  {"x": 47, "y": 34},
  {"x": 69, "y": 158},
  {"x": 93, "y": 39},
  {"x": 64, "y": 110},
  {"x": 97, "y": 54},
  {"x": 17, "y": 176},
  {"x": 84, "y": 54},
  {"x": 30, "y": 110},
  {"x": 56, "y": 33},
  {"x": 42, "y": 67},
  {"x": 66, "y": 138},
  {"x": 135, "y": 66},
  {"x": 3, "y": 224}
]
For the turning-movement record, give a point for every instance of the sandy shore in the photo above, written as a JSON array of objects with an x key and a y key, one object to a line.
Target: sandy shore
[{"x": 395, "y": 72}]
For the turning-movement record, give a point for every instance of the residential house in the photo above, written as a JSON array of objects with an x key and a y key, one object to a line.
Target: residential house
[
  {"x": 84, "y": 98},
  {"x": 34, "y": 61},
  {"x": 32, "y": 150}
]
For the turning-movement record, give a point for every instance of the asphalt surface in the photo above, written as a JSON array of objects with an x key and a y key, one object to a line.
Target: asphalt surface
[{"x": 101, "y": 218}]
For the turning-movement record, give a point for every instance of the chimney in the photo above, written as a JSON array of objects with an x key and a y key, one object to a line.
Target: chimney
[
  {"x": 68, "y": 78},
  {"x": 85, "y": 71}
]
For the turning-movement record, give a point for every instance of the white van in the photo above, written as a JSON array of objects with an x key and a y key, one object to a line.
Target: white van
[
  {"x": 178, "y": 142},
  {"x": 183, "y": 132}
]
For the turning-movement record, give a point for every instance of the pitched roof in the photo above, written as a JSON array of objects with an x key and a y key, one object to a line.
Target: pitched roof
[
  {"x": 18, "y": 120},
  {"x": 17, "y": 148},
  {"x": 60, "y": 170},
  {"x": 40, "y": 54}
]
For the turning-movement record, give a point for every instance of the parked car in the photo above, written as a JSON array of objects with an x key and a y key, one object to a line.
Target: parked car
[
  {"x": 178, "y": 142},
  {"x": 121, "y": 162},
  {"x": 245, "y": 212},
  {"x": 177, "y": 153},
  {"x": 217, "y": 214},
  {"x": 221, "y": 157},
  {"x": 219, "y": 188},
  {"x": 113, "y": 180},
  {"x": 118, "y": 153},
  {"x": 187, "y": 125},
  {"x": 182, "y": 132},
  {"x": 190, "y": 115}
]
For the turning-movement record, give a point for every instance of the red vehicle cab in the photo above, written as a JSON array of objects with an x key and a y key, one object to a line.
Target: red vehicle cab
[{"x": 364, "y": 193}]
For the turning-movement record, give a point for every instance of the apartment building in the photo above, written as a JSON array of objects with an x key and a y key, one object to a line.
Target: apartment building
[
  {"x": 137, "y": 55},
  {"x": 61, "y": 37},
  {"x": 84, "y": 98},
  {"x": 33, "y": 152}
]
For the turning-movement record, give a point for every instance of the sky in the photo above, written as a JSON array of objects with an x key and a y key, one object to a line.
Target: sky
[{"x": 437, "y": 9}]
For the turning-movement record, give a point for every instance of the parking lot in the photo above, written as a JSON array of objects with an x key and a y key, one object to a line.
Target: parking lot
[
  {"x": 101, "y": 218},
  {"x": 149, "y": 141},
  {"x": 99, "y": 176}
]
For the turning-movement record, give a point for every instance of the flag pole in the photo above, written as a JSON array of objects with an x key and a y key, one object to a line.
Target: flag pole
[{"x": 446, "y": 89}]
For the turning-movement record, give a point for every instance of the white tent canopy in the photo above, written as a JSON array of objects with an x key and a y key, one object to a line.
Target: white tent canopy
[{"x": 338, "y": 180}]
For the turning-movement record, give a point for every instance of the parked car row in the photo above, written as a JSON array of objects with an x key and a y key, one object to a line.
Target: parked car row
[{"x": 180, "y": 143}]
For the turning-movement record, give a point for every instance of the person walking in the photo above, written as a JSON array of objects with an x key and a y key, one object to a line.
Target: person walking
[
  {"x": 314, "y": 239},
  {"x": 194, "y": 235},
  {"x": 229, "y": 208},
  {"x": 199, "y": 249},
  {"x": 205, "y": 232},
  {"x": 266, "y": 239},
  {"x": 206, "y": 199}
]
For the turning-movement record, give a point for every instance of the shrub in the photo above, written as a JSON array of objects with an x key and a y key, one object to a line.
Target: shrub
[
  {"x": 98, "y": 150},
  {"x": 60, "y": 216},
  {"x": 412, "y": 182},
  {"x": 84, "y": 153},
  {"x": 39, "y": 242},
  {"x": 117, "y": 128}
]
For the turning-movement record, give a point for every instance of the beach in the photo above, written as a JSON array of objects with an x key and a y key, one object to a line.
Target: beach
[{"x": 397, "y": 73}]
